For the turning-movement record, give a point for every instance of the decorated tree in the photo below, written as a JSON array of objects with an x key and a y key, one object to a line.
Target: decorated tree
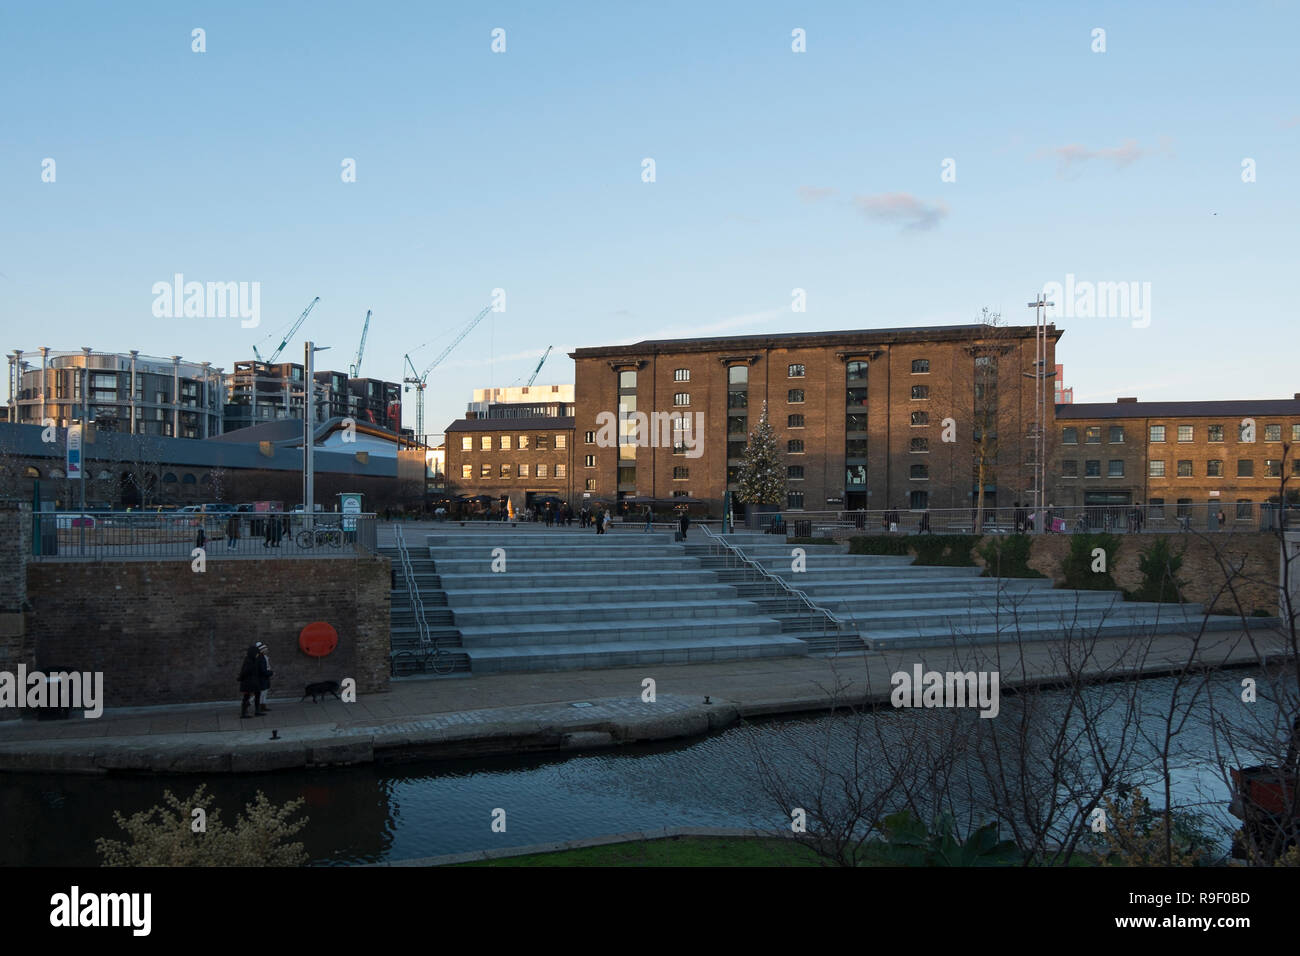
[{"x": 761, "y": 475}]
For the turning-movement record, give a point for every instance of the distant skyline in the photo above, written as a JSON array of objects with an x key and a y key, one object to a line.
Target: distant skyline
[{"x": 910, "y": 167}]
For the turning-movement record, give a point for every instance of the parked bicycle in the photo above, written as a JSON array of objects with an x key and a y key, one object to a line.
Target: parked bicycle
[{"x": 312, "y": 537}]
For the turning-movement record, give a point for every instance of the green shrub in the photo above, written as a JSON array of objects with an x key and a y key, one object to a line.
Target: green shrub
[
  {"x": 256, "y": 839},
  {"x": 879, "y": 544},
  {"x": 1007, "y": 556},
  {"x": 810, "y": 541},
  {"x": 1077, "y": 565},
  {"x": 909, "y": 842},
  {"x": 1159, "y": 566}
]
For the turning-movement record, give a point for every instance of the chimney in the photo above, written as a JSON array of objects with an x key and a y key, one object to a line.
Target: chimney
[{"x": 1126, "y": 401}]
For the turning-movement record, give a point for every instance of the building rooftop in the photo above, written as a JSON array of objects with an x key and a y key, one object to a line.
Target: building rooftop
[
  {"x": 509, "y": 424},
  {"x": 1227, "y": 409},
  {"x": 858, "y": 337}
]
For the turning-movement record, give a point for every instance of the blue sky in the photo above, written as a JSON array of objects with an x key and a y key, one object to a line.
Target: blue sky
[{"x": 775, "y": 170}]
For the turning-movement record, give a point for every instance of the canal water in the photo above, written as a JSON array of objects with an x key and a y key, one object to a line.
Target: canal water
[{"x": 398, "y": 812}]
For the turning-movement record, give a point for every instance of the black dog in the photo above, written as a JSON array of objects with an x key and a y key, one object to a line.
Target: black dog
[{"x": 320, "y": 689}]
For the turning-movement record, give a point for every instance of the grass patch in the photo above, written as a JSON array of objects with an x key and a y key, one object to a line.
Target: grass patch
[{"x": 675, "y": 851}]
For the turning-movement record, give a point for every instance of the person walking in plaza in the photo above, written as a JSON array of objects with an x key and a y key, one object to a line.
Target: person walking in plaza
[
  {"x": 925, "y": 521},
  {"x": 1222, "y": 519},
  {"x": 248, "y": 679},
  {"x": 232, "y": 531},
  {"x": 649, "y": 518},
  {"x": 264, "y": 674},
  {"x": 609, "y": 519},
  {"x": 683, "y": 523}
]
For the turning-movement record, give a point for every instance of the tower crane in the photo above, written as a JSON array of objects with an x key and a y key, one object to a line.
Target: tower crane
[
  {"x": 288, "y": 335},
  {"x": 532, "y": 378},
  {"x": 355, "y": 370},
  {"x": 420, "y": 379}
]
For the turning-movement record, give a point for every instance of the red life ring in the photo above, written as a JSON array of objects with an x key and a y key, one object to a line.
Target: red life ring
[{"x": 318, "y": 639}]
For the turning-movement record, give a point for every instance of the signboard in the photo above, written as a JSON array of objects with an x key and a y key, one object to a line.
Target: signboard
[
  {"x": 350, "y": 504},
  {"x": 1214, "y": 494},
  {"x": 586, "y": 494},
  {"x": 73, "y": 464}
]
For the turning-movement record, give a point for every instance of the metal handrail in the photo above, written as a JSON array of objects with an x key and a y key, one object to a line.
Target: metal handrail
[
  {"x": 427, "y": 644},
  {"x": 781, "y": 585}
]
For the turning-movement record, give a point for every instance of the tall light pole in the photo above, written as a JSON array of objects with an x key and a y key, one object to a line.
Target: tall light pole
[
  {"x": 1040, "y": 307},
  {"x": 308, "y": 420}
]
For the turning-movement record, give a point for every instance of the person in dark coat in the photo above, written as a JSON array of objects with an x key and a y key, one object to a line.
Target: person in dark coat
[
  {"x": 683, "y": 523},
  {"x": 248, "y": 679},
  {"x": 232, "y": 531}
]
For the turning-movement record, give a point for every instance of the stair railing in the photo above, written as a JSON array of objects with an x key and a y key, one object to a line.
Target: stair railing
[{"x": 428, "y": 646}]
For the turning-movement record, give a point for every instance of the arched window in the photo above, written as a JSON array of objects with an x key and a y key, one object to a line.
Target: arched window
[
  {"x": 187, "y": 479},
  {"x": 31, "y": 472},
  {"x": 169, "y": 478},
  {"x": 57, "y": 473}
]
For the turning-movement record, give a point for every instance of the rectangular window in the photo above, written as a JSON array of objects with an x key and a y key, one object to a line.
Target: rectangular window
[
  {"x": 1115, "y": 468},
  {"x": 920, "y": 392},
  {"x": 505, "y": 471},
  {"x": 1184, "y": 469},
  {"x": 920, "y": 418},
  {"x": 1117, "y": 434},
  {"x": 561, "y": 441},
  {"x": 543, "y": 443},
  {"x": 918, "y": 473},
  {"x": 541, "y": 470},
  {"x": 795, "y": 371},
  {"x": 1272, "y": 433},
  {"x": 1156, "y": 469},
  {"x": 794, "y": 472},
  {"x": 1184, "y": 433},
  {"x": 1214, "y": 432},
  {"x": 467, "y": 471},
  {"x": 737, "y": 426},
  {"x": 681, "y": 375},
  {"x": 485, "y": 470},
  {"x": 505, "y": 442},
  {"x": 920, "y": 366},
  {"x": 794, "y": 421},
  {"x": 736, "y": 449},
  {"x": 523, "y": 471},
  {"x": 920, "y": 445},
  {"x": 1272, "y": 468},
  {"x": 1069, "y": 436},
  {"x": 591, "y": 438},
  {"x": 467, "y": 443},
  {"x": 1243, "y": 509},
  {"x": 1295, "y": 467},
  {"x": 1157, "y": 510},
  {"x": 590, "y": 461},
  {"x": 737, "y": 399},
  {"x": 794, "y": 446},
  {"x": 1245, "y": 468},
  {"x": 485, "y": 443},
  {"x": 682, "y": 398},
  {"x": 1295, "y": 433},
  {"x": 1070, "y": 468},
  {"x": 523, "y": 442},
  {"x": 1214, "y": 468},
  {"x": 1092, "y": 435},
  {"x": 561, "y": 470},
  {"x": 919, "y": 500},
  {"x": 1157, "y": 433},
  {"x": 794, "y": 500},
  {"x": 590, "y": 484},
  {"x": 1092, "y": 468},
  {"x": 681, "y": 474},
  {"x": 855, "y": 423},
  {"x": 794, "y": 396}
]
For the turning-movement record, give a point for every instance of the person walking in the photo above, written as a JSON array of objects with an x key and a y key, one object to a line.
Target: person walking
[
  {"x": 609, "y": 518},
  {"x": 264, "y": 674},
  {"x": 925, "y": 521},
  {"x": 1222, "y": 519},
  {"x": 232, "y": 531},
  {"x": 683, "y": 523},
  {"x": 248, "y": 682},
  {"x": 201, "y": 540},
  {"x": 649, "y": 518}
]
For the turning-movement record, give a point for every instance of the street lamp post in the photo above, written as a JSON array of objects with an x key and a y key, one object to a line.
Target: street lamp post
[{"x": 1040, "y": 307}]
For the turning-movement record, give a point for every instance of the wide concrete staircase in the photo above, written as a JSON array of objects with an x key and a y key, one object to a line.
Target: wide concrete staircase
[
  {"x": 568, "y": 599},
  {"x": 889, "y": 602},
  {"x": 407, "y": 656}
]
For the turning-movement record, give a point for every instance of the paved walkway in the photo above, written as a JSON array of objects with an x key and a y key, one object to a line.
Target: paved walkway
[{"x": 511, "y": 713}]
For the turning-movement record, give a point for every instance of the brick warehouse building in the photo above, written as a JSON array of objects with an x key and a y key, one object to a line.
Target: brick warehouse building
[
  {"x": 1188, "y": 459},
  {"x": 859, "y": 415},
  {"x": 522, "y": 459}
]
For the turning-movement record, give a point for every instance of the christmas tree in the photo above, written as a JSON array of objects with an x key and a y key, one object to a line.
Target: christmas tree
[{"x": 761, "y": 475}]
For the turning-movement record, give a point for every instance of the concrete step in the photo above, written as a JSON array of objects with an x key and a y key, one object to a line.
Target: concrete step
[
  {"x": 594, "y": 582},
  {"x": 558, "y": 541},
  {"x": 508, "y": 594},
  {"x": 979, "y": 618},
  {"x": 1007, "y": 601},
  {"x": 590, "y": 563},
  {"x": 690, "y": 630},
  {"x": 598, "y": 654},
  {"x": 822, "y": 585}
]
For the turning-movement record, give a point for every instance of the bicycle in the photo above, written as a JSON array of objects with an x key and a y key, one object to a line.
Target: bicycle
[{"x": 308, "y": 538}]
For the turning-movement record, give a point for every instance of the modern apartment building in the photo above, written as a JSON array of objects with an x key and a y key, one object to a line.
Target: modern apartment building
[
  {"x": 260, "y": 393},
  {"x": 522, "y": 401},
  {"x": 119, "y": 392}
]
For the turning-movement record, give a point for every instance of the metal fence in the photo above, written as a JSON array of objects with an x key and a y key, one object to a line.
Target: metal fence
[
  {"x": 1121, "y": 519},
  {"x": 126, "y": 535}
]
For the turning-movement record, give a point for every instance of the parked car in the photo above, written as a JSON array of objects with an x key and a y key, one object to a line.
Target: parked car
[{"x": 79, "y": 520}]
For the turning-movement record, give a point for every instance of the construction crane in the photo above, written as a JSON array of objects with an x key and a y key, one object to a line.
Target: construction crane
[
  {"x": 420, "y": 379},
  {"x": 532, "y": 378},
  {"x": 288, "y": 335},
  {"x": 355, "y": 370}
]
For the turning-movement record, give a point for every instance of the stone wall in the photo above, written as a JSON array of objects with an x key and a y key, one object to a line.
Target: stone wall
[
  {"x": 15, "y": 550},
  {"x": 164, "y": 634}
]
